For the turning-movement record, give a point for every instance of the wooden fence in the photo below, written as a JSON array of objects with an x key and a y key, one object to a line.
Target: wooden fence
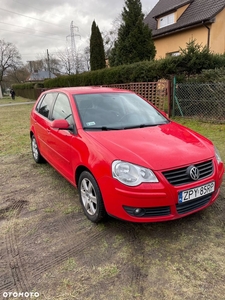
[{"x": 158, "y": 93}]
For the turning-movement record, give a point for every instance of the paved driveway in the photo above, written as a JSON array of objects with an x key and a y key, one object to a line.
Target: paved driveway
[{"x": 17, "y": 103}]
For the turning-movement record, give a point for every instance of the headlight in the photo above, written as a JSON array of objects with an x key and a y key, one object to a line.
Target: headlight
[
  {"x": 217, "y": 154},
  {"x": 131, "y": 174}
]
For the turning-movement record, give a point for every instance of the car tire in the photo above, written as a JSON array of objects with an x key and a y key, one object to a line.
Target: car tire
[
  {"x": 91, "y": 198},
  {"x": 35, "y": 151}
]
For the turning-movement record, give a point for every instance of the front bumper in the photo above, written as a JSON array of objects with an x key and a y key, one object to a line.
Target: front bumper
[{"x": 155, "y": 202}]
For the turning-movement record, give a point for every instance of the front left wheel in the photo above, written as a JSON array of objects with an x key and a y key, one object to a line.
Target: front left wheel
[
  {"x": 35, "y": 151},
  {"x": 91, "y": 198}
]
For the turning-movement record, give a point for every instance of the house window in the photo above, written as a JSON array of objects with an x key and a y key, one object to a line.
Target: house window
[
  {"x": 177, "y": 53},
  {"x": 166, "y": 20}
]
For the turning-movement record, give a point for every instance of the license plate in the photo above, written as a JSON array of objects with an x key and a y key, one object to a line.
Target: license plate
[{"x": 196, "y": 192}]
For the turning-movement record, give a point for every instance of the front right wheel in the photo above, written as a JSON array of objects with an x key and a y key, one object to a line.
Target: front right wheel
[{"x": 91, "y": 198}]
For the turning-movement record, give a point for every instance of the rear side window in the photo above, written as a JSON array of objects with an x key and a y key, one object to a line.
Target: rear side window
[{"x": 45, "y": 104}]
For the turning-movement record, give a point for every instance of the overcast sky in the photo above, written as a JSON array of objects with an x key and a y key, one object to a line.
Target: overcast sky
[{"x": 35, "y": 26}]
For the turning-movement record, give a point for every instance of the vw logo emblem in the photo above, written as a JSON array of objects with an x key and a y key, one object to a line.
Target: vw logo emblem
[{"x": 194, "y": 173}]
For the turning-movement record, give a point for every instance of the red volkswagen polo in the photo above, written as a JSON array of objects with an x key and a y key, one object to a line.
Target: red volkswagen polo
[{"x": 125, "y": 157}]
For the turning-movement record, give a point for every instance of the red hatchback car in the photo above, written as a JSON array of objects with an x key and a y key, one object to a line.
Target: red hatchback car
[{"x": 125, "y": 157}]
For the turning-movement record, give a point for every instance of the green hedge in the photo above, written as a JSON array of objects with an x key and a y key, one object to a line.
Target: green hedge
[
  {"x": 24, "y": 86},
  {"x": 146, "y": 71},
  {"x": 138, "y": 72}
]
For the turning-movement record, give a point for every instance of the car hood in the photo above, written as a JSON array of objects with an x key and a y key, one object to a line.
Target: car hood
[{"x": 159, "y": 147}]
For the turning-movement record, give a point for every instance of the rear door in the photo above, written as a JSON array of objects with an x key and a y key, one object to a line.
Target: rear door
[{"x": 42, "y": 122}]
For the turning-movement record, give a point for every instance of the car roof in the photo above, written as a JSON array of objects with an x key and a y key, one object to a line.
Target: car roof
[{"x": 89, "y": 90}]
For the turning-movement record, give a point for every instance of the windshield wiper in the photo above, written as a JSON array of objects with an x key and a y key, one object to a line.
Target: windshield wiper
[
  {"x": 106, "y": 128},
  {"x": 144, "y": 125},
  {"x": 103, "y": 128},
  {"x": 140, "y": 126}
]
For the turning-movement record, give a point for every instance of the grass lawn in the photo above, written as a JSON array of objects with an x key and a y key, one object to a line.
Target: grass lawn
[{"x": 14, "y": 124}]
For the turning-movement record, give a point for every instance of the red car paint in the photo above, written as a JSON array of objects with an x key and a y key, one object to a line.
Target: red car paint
[{"x": 160, "y": 148}]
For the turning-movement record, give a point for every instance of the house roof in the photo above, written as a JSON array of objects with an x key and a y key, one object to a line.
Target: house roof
[
  {"x": 198, "y": 12},
  {"x": 40, "y": 75}
]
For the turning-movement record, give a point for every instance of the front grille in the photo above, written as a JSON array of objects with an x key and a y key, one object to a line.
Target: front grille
[
  {"x": 149, "y": 212},
  {"x": 181, "y": 176},
  {"x": 183, "y": 208}
]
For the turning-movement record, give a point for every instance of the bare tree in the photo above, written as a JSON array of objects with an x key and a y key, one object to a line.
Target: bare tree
[
  {"x": 67, "y": 63},
  {"x": 16, "y": 75},
  {"x": 10, "y": 59},
  {"x": 86, "y": 58},
  {"x": 80, "y": 62},
  {"x": 109, "y": 37},
  {"x": 64, "y": 57}
]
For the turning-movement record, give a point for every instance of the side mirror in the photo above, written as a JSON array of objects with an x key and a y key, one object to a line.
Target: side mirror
[{"x": 60, "y": 124}]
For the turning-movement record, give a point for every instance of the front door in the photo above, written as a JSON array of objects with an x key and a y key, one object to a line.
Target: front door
[{"x": 59, "y": 141}]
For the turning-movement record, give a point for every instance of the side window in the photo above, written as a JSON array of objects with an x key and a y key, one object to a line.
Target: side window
[
  {"x": 39, "y": 103},
  {"x": 45, "y": 104},
  {"x": 62, "y": 109}
]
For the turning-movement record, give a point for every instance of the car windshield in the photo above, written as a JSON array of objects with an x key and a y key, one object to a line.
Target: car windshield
[{"x": 116, "y": 111}]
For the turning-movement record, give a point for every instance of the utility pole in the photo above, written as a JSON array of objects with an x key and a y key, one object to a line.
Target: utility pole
[
  {"x": 48, "y": 62},
  {"x": 73, "y": 46},
  {"x": 30, "y": 65}
]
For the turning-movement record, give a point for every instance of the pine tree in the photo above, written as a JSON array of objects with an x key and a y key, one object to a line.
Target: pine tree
[
  {"x": 134, "y": 41},
  {"x": 97, "y": 53}
]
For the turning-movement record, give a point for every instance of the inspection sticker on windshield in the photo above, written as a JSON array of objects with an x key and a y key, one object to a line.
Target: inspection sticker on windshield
[
  {"x": 196, "y": 192},
  {"x": 90, "y": 123}
]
